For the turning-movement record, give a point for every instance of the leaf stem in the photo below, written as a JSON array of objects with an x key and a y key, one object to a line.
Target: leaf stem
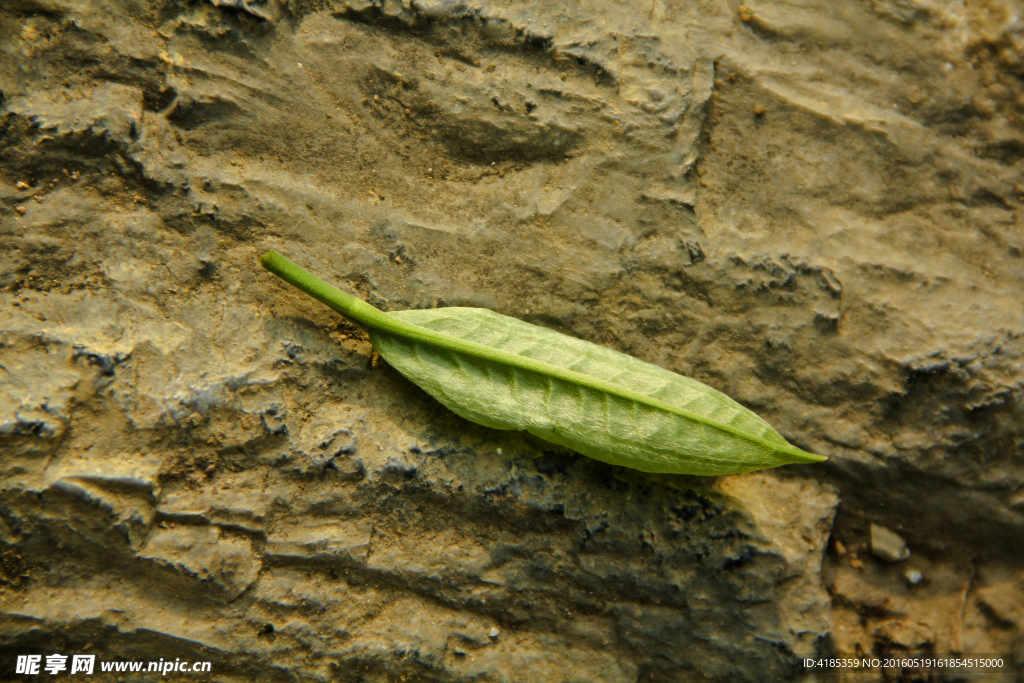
[{"x": 356, "y": 310}]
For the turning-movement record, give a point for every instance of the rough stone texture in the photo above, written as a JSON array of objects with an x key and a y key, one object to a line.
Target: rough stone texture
[{"x": 813, "y": 206}]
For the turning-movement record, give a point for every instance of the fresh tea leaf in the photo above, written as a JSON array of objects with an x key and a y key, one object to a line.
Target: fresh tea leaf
[{"x": 508, "y": 374}]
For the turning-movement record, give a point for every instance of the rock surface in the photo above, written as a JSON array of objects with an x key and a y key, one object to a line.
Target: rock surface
[{"x": 812, "y": 206}]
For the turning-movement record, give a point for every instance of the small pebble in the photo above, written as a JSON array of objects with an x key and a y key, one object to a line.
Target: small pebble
[
  {"x": 759, "y": 110},
  {"x": 888, "y": 545},
  {"x": 493, "y": 633},
  {"x": 913, "y": 577}
]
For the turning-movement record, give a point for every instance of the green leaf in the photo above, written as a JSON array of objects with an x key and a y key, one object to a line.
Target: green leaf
[{"x": 508, "y": 374}]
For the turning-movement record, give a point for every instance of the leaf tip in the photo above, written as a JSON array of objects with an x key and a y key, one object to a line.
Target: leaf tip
[
  {"x": 811, "y": 458},
  {"x": 798, "y": 455}
]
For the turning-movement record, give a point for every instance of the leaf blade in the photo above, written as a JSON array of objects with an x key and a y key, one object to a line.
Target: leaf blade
[
  {"x": 516, "y": 336},
  {"x": 658, "y": 437}
]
